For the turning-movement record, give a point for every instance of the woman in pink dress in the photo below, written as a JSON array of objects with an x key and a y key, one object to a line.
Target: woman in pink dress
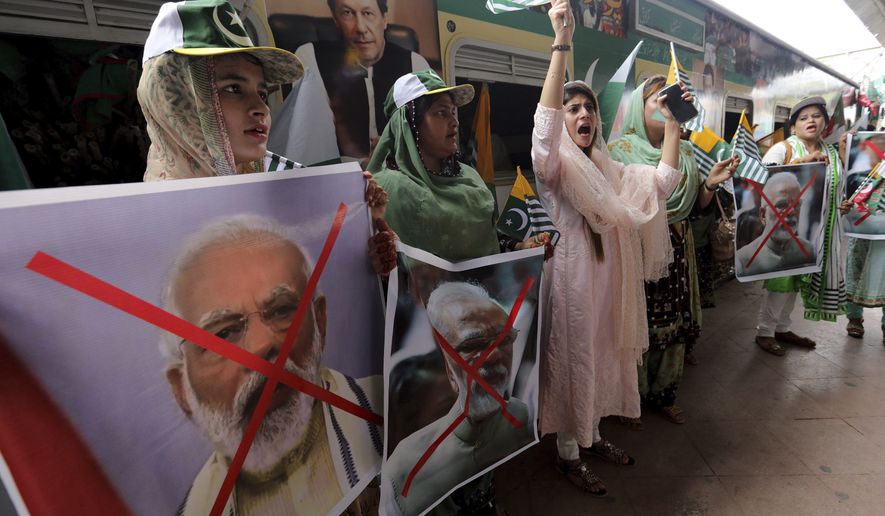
[{"x": 613, "y": 238}]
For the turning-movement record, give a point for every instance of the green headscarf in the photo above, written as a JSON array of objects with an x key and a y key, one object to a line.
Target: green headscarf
[
  {"x": 451, "y": 217},
  {"x": 634, "y": 147}
]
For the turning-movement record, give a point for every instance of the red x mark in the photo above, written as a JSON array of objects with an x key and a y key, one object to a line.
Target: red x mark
[
  {"x": 780, "y": 218},
  {"x": 472, "y": 371},
  {"x": 872, "y": 146},
  {"x": 92, "y": 286}
]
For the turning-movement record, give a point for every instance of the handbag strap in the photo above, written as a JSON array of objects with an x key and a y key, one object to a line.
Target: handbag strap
[{"x": 721, "y": 209}]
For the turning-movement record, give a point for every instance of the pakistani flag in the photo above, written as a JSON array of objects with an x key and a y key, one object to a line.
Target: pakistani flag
[
  {"x": 677, "y": 73},
  {"x": 614, "y": 97},
  {"x": 503, "y": 6},
  {"x": 744, "y": 145},
  {"x": 708, "y": 149},
  {"x": 836, "y": 127},
  {"x": 523, "y": 214}
]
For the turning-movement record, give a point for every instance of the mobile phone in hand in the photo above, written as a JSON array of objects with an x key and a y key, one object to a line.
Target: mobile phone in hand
[{"x": 681, "y": 110}]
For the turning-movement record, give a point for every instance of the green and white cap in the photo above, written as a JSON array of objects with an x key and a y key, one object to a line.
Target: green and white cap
[
  {"x": 210, "y": 28},
  {"x": 426, "y": 82}
]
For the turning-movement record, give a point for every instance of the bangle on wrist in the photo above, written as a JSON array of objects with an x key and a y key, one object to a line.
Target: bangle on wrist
[
  {"x": 560, "y": 48},
  {"x": 707, "y": 187}
]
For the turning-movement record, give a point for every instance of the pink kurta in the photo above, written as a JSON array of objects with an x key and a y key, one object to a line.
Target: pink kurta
[{"x": 583, "y": 375}]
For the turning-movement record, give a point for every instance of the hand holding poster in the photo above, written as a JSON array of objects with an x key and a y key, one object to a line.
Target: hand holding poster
[
  {"x": 260, "y": 397},
  {"x": 462, "y": 376},
  {"x": 779, "y": 224},
  {"x": 865, "y": 186}
]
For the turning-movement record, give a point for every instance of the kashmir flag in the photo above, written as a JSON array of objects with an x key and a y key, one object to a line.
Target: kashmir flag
[
  {"x": 769, "y": 140},
  {"x": 614, "y": 97},
  {"x": 523, "y": 214},
  {"x": 677, "y": 73},
  {"x": 708, "y": 149},
  {"x": 503, "y": 6},
  {"x": 482, "y": 137},
  {"x": 275, "y": 162},
  {"x": 744, "y": 145}
]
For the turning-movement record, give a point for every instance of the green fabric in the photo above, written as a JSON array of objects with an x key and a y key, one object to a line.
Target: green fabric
[
  {"x": 785, "y": 284},
  {"x": 451, "y": 217},
  {"x": 660, "y": 375},
  {"x": 865, "y": 272},
  {"x": 13, "y": 175},
  {"x": 701, "y": 226},
  {"x": 634, "y": 147}
]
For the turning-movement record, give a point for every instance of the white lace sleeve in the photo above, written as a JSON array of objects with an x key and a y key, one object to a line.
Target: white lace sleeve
[
  {"x": 545, "y": 143},
  {"x": 666, "y": 178}
]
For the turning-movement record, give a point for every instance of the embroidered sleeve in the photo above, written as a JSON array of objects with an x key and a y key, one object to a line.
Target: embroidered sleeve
[{"x": 545, "y": 143}]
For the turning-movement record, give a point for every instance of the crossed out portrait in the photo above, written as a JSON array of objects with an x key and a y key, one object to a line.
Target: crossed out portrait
[
  {"x": 444, "y": 425},
  {"x": 866, "y": 220},
  {"x": 779, "y": 223},
  {"x": 162, "y": 415}
]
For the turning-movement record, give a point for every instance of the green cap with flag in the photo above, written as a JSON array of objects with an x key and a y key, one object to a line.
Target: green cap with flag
[
  {"x": 425, "y": 82},
  {"x": 213, "y": 27}
]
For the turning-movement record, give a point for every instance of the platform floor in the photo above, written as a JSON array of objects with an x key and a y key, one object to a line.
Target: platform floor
[{"x": 802, "y": 434}]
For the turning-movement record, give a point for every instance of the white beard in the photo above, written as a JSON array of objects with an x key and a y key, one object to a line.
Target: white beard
[
  {"x": 482, "y": 404},
  {"x": 281, "y": 431}
]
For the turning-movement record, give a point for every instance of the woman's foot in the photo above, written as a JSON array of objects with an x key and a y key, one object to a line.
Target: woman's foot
[
  {"x": 690, "y": 359},
  {"x": 771, "y": 345},
  {"x": 855, "y": 328},
  {"x": 633, "y": 423},
  {"x": 609, "y": 452},
  {"x": 579, "y": 474},
  {"x": 791, "y": 338},
  {"x": 673, "y": 414}
]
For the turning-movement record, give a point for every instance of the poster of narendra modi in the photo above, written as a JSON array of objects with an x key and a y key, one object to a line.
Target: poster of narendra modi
[
  {"x": 204, "y": 346},
  {"x": 461, "y": 376}
]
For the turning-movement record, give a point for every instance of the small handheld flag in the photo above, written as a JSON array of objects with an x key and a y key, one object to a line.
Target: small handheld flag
[
  {"x": 524, "y": 215},
  {"x": 678, "y": 74},
  {"x": 745, "y": 147},
  {"x": 708, "y": 149},
  {"x": 502, "y": 6},
  {"x": 612, "y": 98}
]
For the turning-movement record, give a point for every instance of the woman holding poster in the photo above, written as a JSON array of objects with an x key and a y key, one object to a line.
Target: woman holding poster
[
  {"x": 823, "y": 293},
  {"x": 437, "y": 203},
  {"x": 674, "y": 304}
]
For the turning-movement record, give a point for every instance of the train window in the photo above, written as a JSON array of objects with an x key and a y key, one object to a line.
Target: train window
[{"x": 734, "y": 105}]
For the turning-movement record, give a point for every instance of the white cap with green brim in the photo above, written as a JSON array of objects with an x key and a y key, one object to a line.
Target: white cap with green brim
[
  {"x": 425, "y": 82},
  {"x": 210, "y": 28}
]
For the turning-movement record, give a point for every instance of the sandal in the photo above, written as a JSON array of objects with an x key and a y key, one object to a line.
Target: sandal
[
  {"x": 673, "y": 414},
  {"x": 580, "y": 475},
  {"x": 690, "y": 359},
  {"x": 633, "y": 423},
  {"x": 770, "y": 345},
  {"x": 791, "y": 338},
  {"x": 609, "y": 452},
  {"x": 855, "y": 328}
]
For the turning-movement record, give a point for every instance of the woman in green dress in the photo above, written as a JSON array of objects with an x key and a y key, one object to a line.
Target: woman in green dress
[{"x": 673, "y": 303}]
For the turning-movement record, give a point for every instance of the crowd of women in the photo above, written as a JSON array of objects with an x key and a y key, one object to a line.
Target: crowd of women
[{"x": 622, "y": 286}]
